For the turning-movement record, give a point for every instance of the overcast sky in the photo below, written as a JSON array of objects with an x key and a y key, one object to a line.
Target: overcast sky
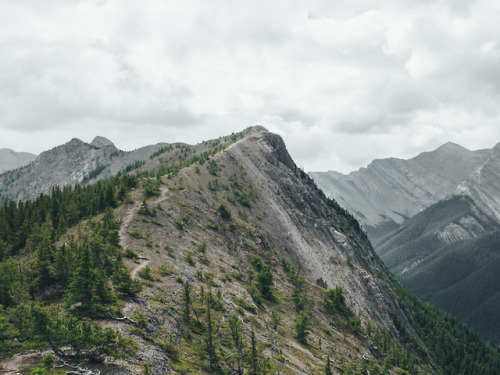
[{"x": 344, "y": 82}]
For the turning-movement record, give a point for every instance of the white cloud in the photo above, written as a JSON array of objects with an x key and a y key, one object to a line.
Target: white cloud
[{"x": 342, "y": 82}]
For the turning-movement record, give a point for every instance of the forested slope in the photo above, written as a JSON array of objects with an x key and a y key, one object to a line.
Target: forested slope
[{"x": 448, "y": 255}]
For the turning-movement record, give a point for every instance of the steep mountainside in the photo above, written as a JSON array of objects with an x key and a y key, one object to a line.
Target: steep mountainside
[
  {"x": 80, "y": 162},
  {"x": 483, "y": 186},
  {"x": 233, "y": 262},
  {"x": 448, "y": 255},
  {"x": 389, "y": 191},
  {"x": 9, "y": 159}
]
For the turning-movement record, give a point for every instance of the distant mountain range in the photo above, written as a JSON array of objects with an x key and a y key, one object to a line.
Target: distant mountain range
[
  {"x": 435, "y": 221},
  {"x": 10, "y": 159},
  {"x": 387, "y": 192}
]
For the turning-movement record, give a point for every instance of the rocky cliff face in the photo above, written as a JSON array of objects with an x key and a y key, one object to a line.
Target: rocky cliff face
[
  {"x": 9, "y": 159},
  {"x": 298, "y": 217}
]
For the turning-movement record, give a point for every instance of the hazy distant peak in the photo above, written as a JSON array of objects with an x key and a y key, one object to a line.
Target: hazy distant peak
[
  {"x": 6, "y": 151},
  {"x": 452, "y": 147},
  {"x": 101, "y": 142},
  {"x": 10, "y": 159}
]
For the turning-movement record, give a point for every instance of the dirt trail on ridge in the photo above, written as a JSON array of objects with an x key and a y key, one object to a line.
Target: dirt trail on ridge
[{"x": 129, "y": 216}]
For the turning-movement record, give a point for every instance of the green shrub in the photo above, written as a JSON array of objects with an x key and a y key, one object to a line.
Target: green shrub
[
  {"x": 145, "y": 273},
  {"x": 135, "y": 233}
]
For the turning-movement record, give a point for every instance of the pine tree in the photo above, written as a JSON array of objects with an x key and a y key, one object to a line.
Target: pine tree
[
  {"x": 186, "y": 310},
  {"x": 44, "y": 257},
  {"x": 254, "y": 356},
  {"x": 210, "y": 345},
  {"x": 328, "y": 369},
  {"x": 265, "y": 280},
  {"x": 5, "y": 249},
  {"x": 302, "y": 327},
  {"x": 63, "y": 265},
  {"x": 144, "y": 209},
  {"x": 110, "y": 197},
  {"x": 81, "y": 286},
  {"x": 236, "y": 334}
]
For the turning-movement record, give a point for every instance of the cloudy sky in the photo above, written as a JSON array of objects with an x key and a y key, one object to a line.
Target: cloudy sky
[{"x": 342, "y": 81}]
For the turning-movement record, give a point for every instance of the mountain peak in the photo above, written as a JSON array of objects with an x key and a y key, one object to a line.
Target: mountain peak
[
  {"x": 452, "y": 147},
  {"x": 255, "y": 129},
  {"x": 101, "y": 142}
]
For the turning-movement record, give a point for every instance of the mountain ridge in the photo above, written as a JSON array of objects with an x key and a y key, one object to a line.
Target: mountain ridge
[{"x": 228, "y": 260}]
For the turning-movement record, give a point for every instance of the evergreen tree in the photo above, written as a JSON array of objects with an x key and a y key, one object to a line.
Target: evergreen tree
[
  {"x": 254, "y": 356},
  {"x": 63, "y": 265},
  {"x": 89, "y": 284},
  {"x": 122, "y": 281},
  {"x": 236, "y": 334},
  {"x": 265, "y": 280},
  {"x": 186, "y": 309},
  {"x": 5, "y": 249},
  {"x": 44, "y": 256},
  {"x": 328, "y": 369},
  {"x": 81, "y": 286},
  {"x": 144, "y": 209},
  {"x": 210, "y": 344},
  {"x": 110, "y": 197},
  {"x": 8, "y": 282},
  {"x": 302, "y": 324}
]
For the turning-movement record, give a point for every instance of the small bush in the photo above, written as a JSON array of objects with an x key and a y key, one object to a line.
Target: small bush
[
  {"x": 145, "y": 274},
  {"x": 224, "y": 212},
  {"x": 130, "y": 254},
  {"x": 135, "y": 233}
]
